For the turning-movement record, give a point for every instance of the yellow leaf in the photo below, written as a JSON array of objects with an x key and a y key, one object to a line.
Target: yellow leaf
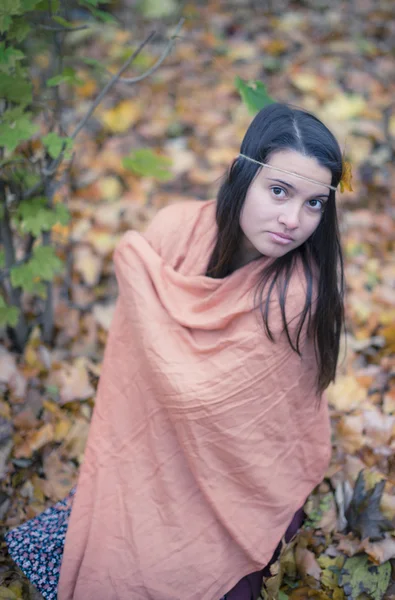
[
  {"x": 88, "y": 88},
  {"x": 345, "y": 182},
  {"x": 35, "y": 441},
  {"x": 389, "y": 334},
  {"x": 346, "y": 393},
  {"x": 344, "y": 107},
  {"x": 110, "y": 188},
  {"x": 120, "y": 118},
  {"x": 306, "y": 82},
  {"x": 62, "y": 428},
  {"x": 329, "y": 576},
  {"x": 17, "y": 588},
  {"x": 87, "y": 264},
  {"x": 7, "y": 594}
]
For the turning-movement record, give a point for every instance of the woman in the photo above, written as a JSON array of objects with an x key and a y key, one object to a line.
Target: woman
[{"x": 209, "y": 429}]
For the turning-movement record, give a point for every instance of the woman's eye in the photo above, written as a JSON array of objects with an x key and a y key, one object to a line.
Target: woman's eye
[
  {"x": 277, "y": 191},
  {"x": 316, "y": 205}
]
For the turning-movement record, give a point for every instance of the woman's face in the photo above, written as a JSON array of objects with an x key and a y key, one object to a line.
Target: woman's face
[{"x": 281, "y": 211}]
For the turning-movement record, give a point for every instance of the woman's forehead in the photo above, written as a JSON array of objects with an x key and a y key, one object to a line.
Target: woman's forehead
[{"x": 297, "y": 165}]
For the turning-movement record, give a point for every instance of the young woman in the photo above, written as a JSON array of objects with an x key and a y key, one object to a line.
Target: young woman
[{"x": 209, "y": 429}]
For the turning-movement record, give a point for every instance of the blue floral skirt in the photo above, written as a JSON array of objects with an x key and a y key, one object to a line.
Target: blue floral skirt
[{"x": 37, "y": 546}]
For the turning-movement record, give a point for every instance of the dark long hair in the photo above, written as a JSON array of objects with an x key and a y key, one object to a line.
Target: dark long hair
[{"x": 281, "y": 127}]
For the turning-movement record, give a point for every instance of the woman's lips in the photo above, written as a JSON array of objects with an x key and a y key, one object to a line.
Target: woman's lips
[{"x": 280, "y": 238}]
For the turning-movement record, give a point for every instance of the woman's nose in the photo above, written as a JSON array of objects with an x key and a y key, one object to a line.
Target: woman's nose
[{"x": 290, "y": 218}]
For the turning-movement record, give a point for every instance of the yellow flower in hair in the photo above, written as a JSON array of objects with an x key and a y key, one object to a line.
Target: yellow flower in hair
[{"x": 345, "y": 181}]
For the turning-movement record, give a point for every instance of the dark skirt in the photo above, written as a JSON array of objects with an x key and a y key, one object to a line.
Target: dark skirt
[{"x": 37, "y": 548}]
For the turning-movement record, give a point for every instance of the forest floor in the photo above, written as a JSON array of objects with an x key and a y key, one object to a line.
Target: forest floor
[{"x": 335, "y": 59}]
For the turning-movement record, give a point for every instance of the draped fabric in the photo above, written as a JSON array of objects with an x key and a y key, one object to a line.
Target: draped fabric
[{"x": 206, "y": 437}]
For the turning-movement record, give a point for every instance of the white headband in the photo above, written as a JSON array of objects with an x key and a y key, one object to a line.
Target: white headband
[{"x": 331, "y": 187}]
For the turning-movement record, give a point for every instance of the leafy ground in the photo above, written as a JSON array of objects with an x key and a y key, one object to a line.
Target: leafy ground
[{"x": 335, "y": 59}]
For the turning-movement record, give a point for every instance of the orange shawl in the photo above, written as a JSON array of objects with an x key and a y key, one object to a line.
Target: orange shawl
[{"x": 205, "y": 437}]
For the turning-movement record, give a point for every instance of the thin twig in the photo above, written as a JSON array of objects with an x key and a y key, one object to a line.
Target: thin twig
[
  {"x": 51, "y": 169},
  {"x": 60, "y": 29},
  {"x": 109, "y": 85},
  {"x": 158, "y": 63}
]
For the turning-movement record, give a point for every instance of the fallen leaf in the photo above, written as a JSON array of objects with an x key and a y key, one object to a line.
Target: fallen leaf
[
  {"x": 87, "y": 264},
  {"x": 306, "y": 563},
  {"x": 360, "y": 576},
  {"x": 35, "y": 441},
  {"x": 364, "y": 514},
  {"x": 74, "y": 382}
]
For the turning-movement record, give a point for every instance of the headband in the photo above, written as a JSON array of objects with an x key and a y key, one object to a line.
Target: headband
[{"x": 331, "y": 187}]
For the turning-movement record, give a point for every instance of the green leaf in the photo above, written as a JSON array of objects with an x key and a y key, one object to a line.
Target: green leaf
[
  {"x": 54, "y": 143},
  {"x": 61, "y": 214},
  {"x": 253, "y": 94},
  {"x": 360, "y": 576},
  {"x": 8, "y": 314},
  {"x": 18, "y": 30},
  {"x": 16, "y": 127},
  {"x": 48, "y": 264},
  {"x": 68, "y": 76},
  {"x": 62, "y": 21},
  {"x": 93, "y": 3},
  {"x": 157, "y": 9},
  {"x": 92, "y": 62},
  {"x": 2, "y": 259},
  {"x": 35, "y": 216},
  {"x": 28, "y": 5},
  {"x": 8, "y": 57},
  {"x": 43, "y": 266},
  {"x": 148, "y": 164},
  {"x": 103, "y": 16},
  {"x": 15, "y": 89},
  {"x": 46, "y": 5},
  {"x": 9, "y": 9}
]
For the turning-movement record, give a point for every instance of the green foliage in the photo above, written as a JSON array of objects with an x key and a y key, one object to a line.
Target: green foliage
[
  {"x": 43, "y": 266},
  {"x": 147, "y": 163},
  {"x": 15, "y": 127},
  {"x": 360, "y": 576},
  {"x": 32, "y": 149},
  {"x": 68, "y": 75},
  {"x": 9, "y": 57},
  {"x": 254, "y": 94},
  {"x": 35, "y": 217},
  {"x": 55, "y": 144},
  {"x": 15, "y": 88},
  {"x": 8, "y": 314},
  {"x": 8, "y": 9},
  {"x": 92, "y": 5}
]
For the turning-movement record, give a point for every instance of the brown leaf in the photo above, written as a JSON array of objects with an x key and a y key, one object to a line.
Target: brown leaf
[
  {"x": 35, "y": 441},
  {"x": 74, "y": 382},
  {"x": 306, "y": 563}
]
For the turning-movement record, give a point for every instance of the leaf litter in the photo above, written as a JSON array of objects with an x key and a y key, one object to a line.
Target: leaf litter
[{"x": 332, "y": 61}]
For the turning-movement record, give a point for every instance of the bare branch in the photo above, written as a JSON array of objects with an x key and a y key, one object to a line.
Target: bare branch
[
  {"x": 51, "y": 169},
  {"x": 65, "y": 29},
  {"x": 109, "y": 85},
  {"x": 117, "y": 75},
  {"x": 160, "y": 60}
]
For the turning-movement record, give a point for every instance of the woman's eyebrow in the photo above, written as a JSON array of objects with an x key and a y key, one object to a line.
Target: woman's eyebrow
[{"x": 294, "y": 188}]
